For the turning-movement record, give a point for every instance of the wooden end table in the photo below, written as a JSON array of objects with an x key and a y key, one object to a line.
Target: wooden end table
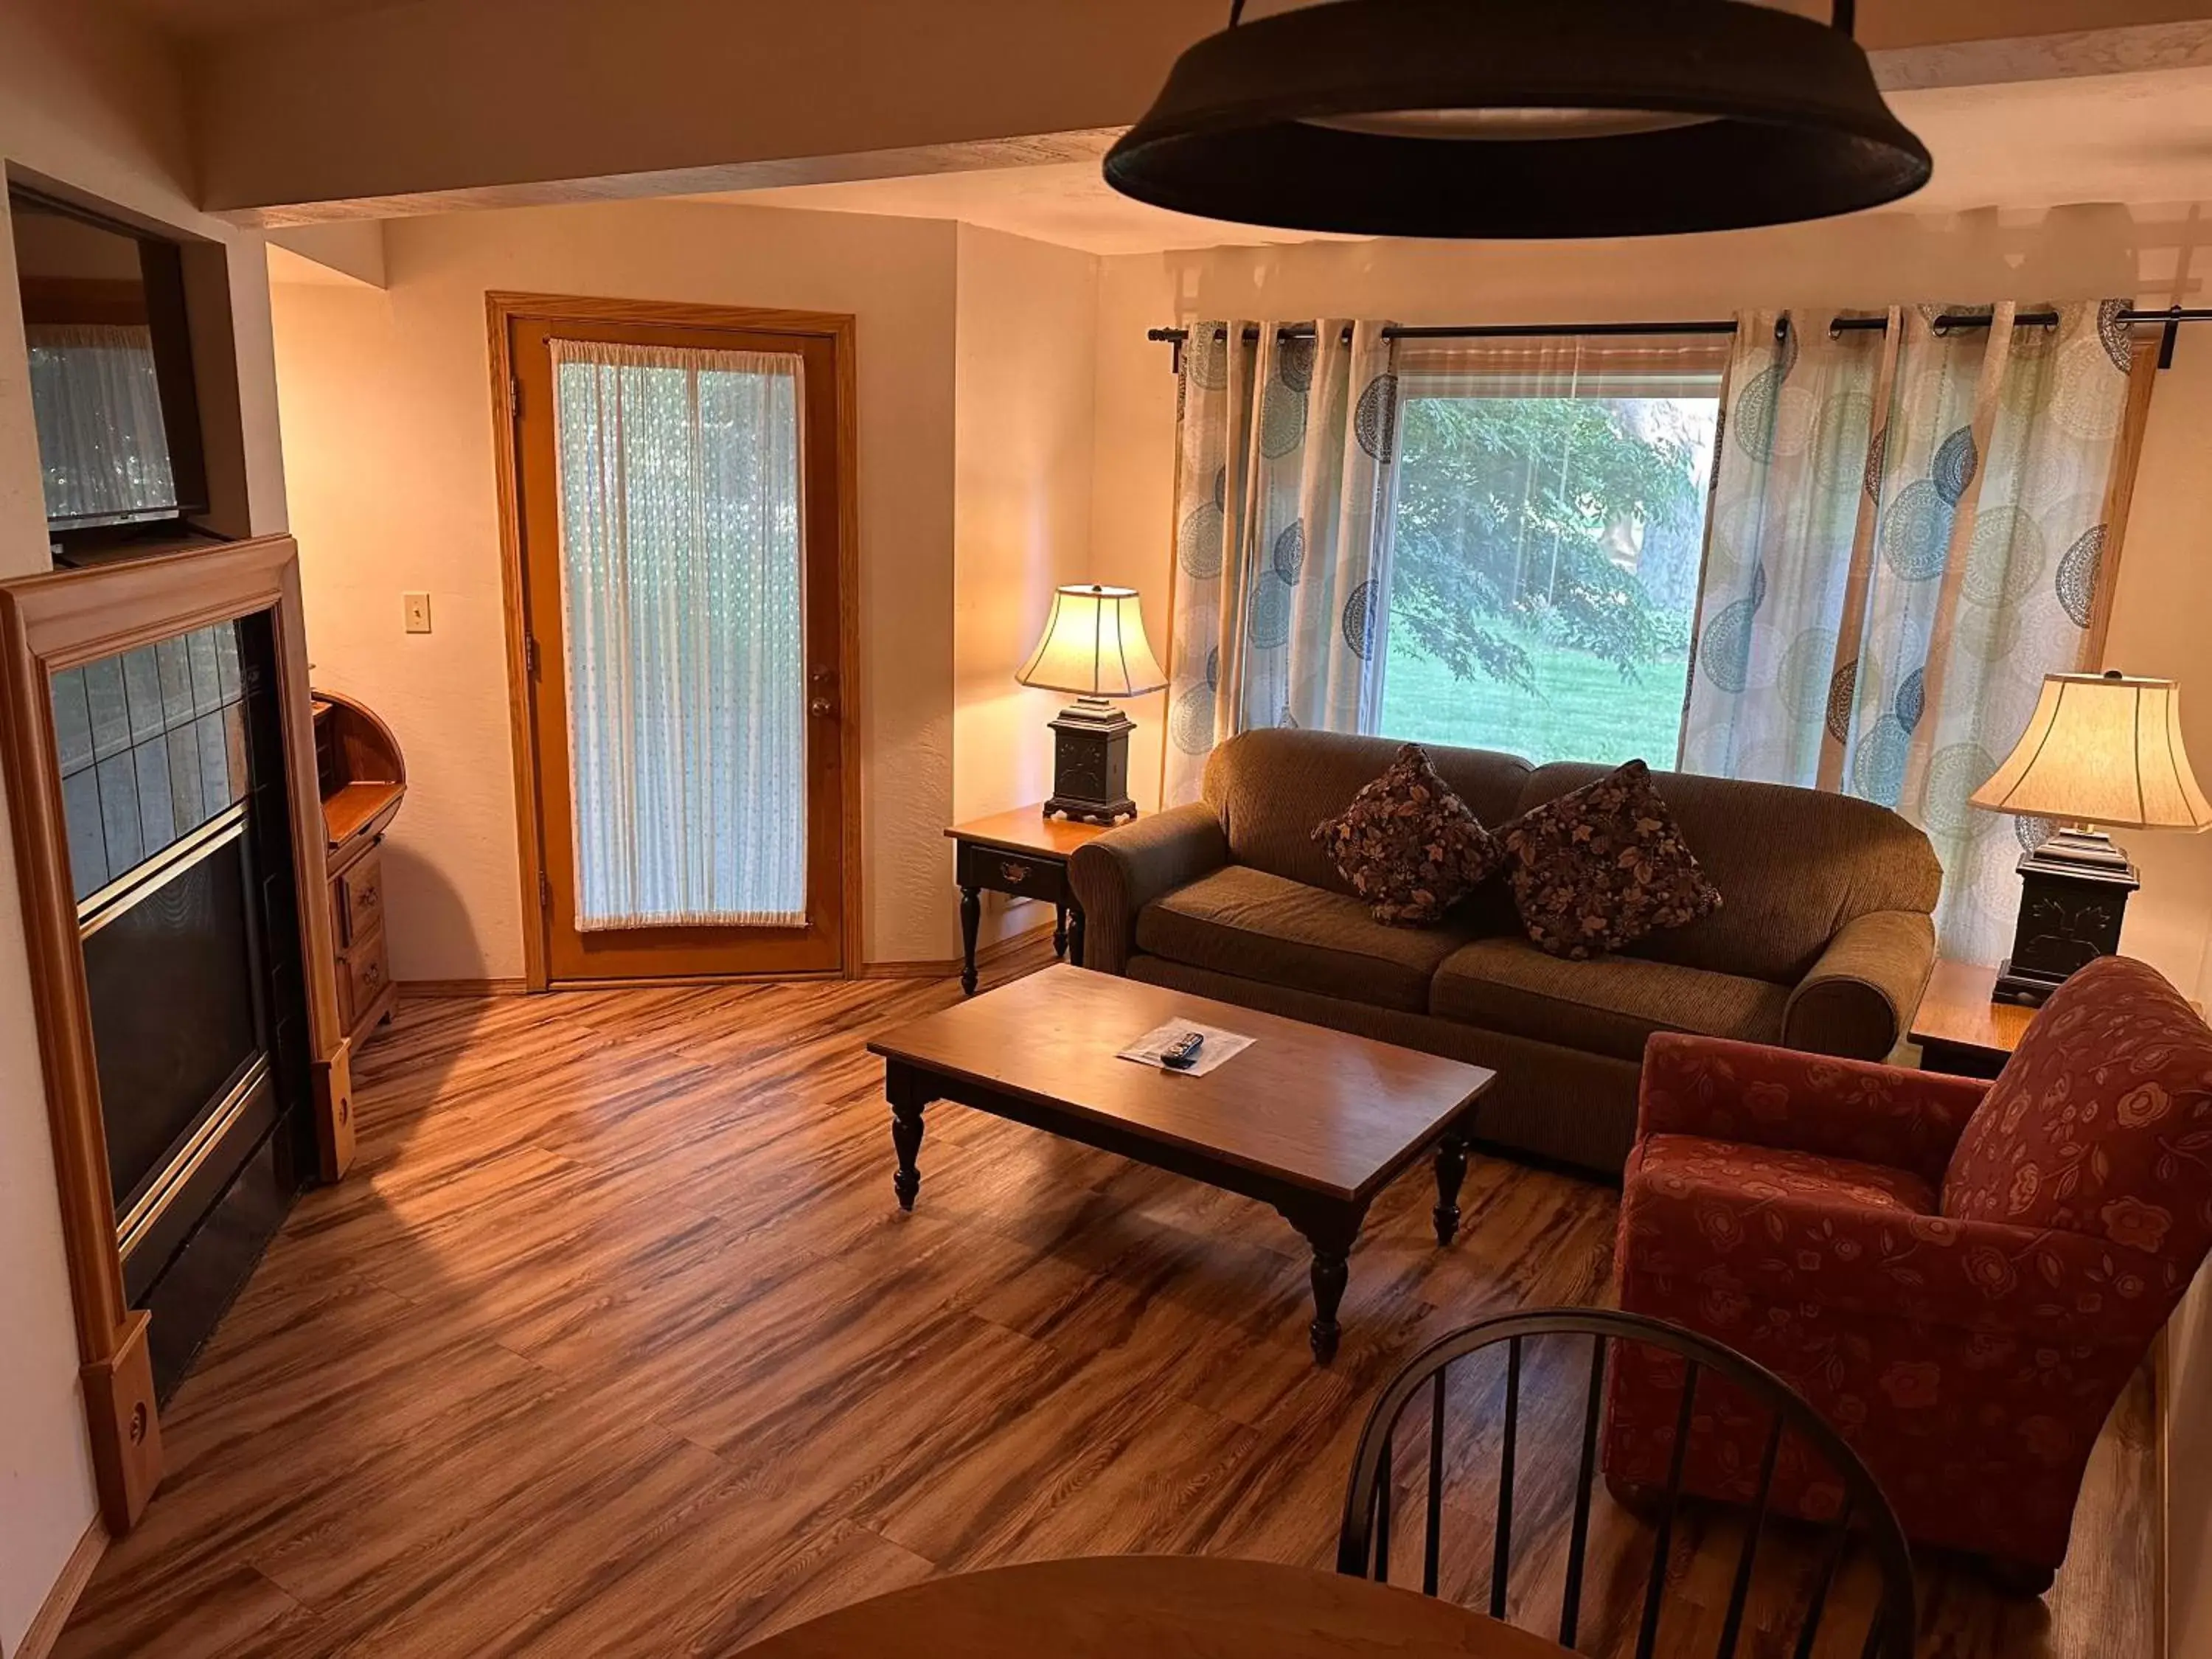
[
  {"x": 1313, "y": 1121},
  {"x": 1960, "y": 1030},
  {"x": 1024, "y": 855}
]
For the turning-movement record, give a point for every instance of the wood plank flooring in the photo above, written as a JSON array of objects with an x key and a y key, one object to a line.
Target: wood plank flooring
[{"x": 616, "y": 1343}]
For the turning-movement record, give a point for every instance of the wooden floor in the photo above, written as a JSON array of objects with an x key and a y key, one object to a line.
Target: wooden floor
[{"x": 616, "y": 1343}]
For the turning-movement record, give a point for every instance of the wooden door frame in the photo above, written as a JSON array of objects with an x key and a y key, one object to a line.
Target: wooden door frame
[
  {"x": 502, "y": 310},
  {"x": 55, "y": 622}
]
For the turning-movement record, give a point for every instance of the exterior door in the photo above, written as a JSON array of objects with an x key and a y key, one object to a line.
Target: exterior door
[{"x": 680, "y": 525}]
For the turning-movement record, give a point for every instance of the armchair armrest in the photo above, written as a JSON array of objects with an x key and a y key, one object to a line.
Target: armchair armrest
[
  {"x": 1799, "y": 1103},
  {"x": 1687, "y": 1230},
  {"x": 1860, "y": 996},
  {"x": 1120, "y": 873}
]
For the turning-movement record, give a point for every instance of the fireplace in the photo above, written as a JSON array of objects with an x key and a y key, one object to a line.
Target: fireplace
[{"x": 171, "y": 765}]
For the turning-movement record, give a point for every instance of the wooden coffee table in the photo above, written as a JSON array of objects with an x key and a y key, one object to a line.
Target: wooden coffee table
[{"x": 1313, "y": 1121}]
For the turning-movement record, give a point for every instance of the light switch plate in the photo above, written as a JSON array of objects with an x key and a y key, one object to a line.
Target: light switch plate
[{"x": 417, "y": 607}]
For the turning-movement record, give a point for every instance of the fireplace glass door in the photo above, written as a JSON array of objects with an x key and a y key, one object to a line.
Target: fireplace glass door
[{"x": 172, "y": 763}]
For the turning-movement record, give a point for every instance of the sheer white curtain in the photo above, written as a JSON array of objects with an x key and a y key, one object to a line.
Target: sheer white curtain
[
  {"x": 97, "y": 407},
  {"x": 681, "y": 566}
]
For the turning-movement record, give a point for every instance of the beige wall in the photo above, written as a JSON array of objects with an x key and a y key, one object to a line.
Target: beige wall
[
  {"x": 89, "y": 106},
  {"x": 388, "y": 425},
  {"x": 1026, "y": 356}
]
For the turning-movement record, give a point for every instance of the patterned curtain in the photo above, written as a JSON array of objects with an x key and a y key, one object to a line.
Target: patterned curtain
[
  {"x": 1907, "y": 533},
  {"x": 1282, "y": 517}
]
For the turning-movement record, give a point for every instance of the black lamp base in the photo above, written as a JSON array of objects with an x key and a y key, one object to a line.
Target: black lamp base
[
  {"x": 2074, "y": 896},
  {"x": 1090, "y": 763}
]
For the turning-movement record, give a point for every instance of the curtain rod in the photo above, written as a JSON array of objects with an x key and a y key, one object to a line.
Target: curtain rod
[{"x": 2172, "y": 318}]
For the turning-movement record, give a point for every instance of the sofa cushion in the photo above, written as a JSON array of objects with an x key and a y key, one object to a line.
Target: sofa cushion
[
  {"x": 1261, "y": 926},
  {"x": 1608, "y": 1006},
  {"x": 1408, "y": 845},
  {"x": 1736, "y": 1177},
  {"x": 1604, "y": 865},
  {"x": 1269, "y": 788}
]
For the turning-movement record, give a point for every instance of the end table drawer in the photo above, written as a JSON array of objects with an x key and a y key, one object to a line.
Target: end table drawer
[{"x": 1019, "y": 875}]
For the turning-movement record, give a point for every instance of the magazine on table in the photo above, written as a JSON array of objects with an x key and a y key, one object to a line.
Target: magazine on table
[{"x": 1215, "y": 1048}]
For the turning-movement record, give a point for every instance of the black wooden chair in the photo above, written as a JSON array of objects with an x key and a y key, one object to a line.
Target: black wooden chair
[{"x": 1363, "y": 1544}]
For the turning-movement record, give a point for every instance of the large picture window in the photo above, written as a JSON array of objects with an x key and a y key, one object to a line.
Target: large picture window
[{"x": 1547, "y": 530}]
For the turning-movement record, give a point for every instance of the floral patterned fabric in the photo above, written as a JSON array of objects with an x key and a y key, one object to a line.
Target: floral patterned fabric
[
  {"x": 1602, "y": 865},
  {"x": 2101, "y": 1123},
  {"x": 1786, "y": 1205},
  {"x": 1409, "y": 845}
]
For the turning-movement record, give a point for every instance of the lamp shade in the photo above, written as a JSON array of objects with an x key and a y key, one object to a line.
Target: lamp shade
[
  {"x": 1521, "y": 119},
  {"x": 2102, "y": 749},
  {"x": 1094, "y": 645}
]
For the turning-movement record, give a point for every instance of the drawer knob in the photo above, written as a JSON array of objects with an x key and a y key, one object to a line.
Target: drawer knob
[{"x": 1015, "y": 872}]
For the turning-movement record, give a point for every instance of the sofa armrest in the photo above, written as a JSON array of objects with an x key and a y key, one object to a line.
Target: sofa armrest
[
  {"x": 1685, "y": 1234},
  {"x": 1799, "y": 1103},
  {"x": 1120, "y": 873},
  {"x": 1859, "y": 997}
]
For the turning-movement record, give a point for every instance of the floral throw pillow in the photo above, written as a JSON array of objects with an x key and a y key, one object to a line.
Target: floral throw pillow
[
  {"x": 1409, "y": 846},
  {"x": 1604, "y": 865}
]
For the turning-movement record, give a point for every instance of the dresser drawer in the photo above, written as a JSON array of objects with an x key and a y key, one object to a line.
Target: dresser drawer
[
  {"x": 1020, "y": 875},
  {"x": 361, "y": 897},
  {"x": 364, "y": 970}
]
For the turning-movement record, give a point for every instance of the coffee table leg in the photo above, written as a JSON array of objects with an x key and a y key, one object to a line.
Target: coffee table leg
[
  {"x": 908, "y": 1097},
  {"x": 1451, "y": 1170},
  {"x": 971, "y": 916},
  {"x": 1330, "y": 1232}
]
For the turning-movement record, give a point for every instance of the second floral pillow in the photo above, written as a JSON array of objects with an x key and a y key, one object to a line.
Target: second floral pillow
[{"x": 1604, "y": 865}]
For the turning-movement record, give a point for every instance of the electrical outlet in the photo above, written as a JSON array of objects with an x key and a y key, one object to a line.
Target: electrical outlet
[{"x": 417, "y": 606}]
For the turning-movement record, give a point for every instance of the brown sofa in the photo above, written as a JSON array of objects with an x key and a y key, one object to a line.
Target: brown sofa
[{"x": 1825, "y": 942}]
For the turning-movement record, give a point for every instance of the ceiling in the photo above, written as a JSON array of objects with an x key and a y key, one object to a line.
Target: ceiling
[{"x": 2138, "y": 138}]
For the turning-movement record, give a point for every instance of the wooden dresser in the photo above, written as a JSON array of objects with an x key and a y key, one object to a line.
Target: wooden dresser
[{"x": 364, "y": 780}]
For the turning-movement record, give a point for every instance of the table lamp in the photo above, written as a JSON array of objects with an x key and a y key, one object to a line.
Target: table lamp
[
  {"x": 1093, "y": 645},
  {"x": 2099, "y": 750}
]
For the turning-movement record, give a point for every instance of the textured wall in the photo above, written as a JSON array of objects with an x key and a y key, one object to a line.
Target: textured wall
[{"x": 388, "y": 423}]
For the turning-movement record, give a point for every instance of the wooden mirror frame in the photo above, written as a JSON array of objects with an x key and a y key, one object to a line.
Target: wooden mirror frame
[{"x": 57, "y": 621}]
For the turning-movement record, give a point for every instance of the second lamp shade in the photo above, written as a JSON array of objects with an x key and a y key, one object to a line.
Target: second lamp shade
[{"x": 2102, "y": 749}]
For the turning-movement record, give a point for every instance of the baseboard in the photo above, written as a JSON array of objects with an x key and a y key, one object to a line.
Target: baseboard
[
  {"x": 945, "y": 969},
  {"x": 988, "y": 955},
  {"x": 61, "y": 1601},
  {"x": 463, "y": 987}
]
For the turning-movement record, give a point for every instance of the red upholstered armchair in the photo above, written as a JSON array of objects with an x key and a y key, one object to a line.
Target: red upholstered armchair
[{"x": 1960, "y": 1276}]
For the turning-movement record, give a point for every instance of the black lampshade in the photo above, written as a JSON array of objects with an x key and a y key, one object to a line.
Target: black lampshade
[{"x": 1521, "y": 119}]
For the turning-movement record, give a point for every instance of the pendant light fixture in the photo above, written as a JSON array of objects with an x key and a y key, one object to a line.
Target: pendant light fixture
[{"x": 1521, "y": 119}]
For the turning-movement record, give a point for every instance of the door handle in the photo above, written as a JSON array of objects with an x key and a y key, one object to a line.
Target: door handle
[{"x": 822, "y": 709}]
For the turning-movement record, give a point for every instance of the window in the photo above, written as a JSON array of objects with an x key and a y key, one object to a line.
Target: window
[{"x": 1548, "y": 533}]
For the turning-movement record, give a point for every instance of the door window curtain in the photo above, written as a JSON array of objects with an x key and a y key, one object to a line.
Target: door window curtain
[
  {"x": 681, "y": 595},
  {"x": 1282, "y": 534},
  {"x": 97, "y": 403},
  {"x": 1908, "y": 532}
]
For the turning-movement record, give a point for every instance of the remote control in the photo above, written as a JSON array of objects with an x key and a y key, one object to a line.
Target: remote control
[{"x": 1184, "y": 1054}]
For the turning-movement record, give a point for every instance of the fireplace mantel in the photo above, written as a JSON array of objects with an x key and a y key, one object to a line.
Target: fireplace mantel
[{"x": 52, "y": 624}]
